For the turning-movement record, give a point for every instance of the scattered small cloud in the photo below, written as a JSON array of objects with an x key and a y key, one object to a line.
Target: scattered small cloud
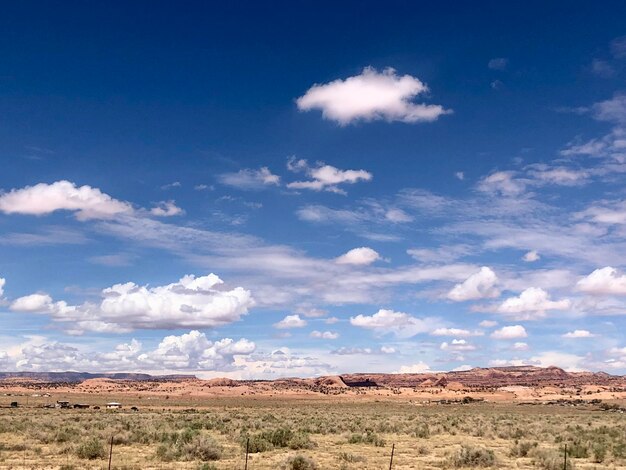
[
  {"x": 324, "y": 334},
  {"x": 290, "y": 321},
  {"x": 531, "y": 256},
  {"x": 325, "y": 177},
  {"x": 175, "y": 184},
  {"x": 577, "y": 334},
  {"x": 498, "y": 63},
  {"x": 370, "y": 96},
  {"x": 166, "y": 209},
  {"x": 417, "y": 368},
  {"x": 480, "y": 285},
  {"x": 359, "y": 256},
  {"x": 510, "y": 332},
  {"x": 250, "y": 179}
]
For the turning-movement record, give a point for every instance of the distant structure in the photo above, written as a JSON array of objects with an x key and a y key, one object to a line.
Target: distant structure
[
  {"x": 63, "y": 404},
  {"x": 14, "y": 404},
  {"x": 114, "y": 405},
  {"x": 81, "y": 406}
]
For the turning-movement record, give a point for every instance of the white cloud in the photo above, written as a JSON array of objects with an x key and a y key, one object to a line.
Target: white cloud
[
  {"x": 388, "y": 350},
  {"x": 249, "y": 179},
  {"x": 359, "y": 256},
  {"x": 576, "y": 334},
  {"x": 531, "y": 256},
  {"x": 371, "y": 96},
  {"x": 166, "y": 209},
  {"x": 4, "y": 361},
  {"x": 290, "y": 321},
  {"x": 175, "y": 184},
  {"x": 459, "y": 332},
  {"x": 417, "y": 368},
  {"x": 399, "y": 323},
  {"x": 344, "y": 351},
  {"x": 488, "y": 323},
  {"x": 499, "y": 63},
  {"x": 479, "y": 285},
  {"x": 531, "y": 304},
  {"x": 41, "y": 199},
  {"x": 618, "y": 47},
  {"x": 2, "y": 284},
  {"x": 568, "y": 362},
  {"x": 502, "y": 182},
  {"x": 510, "y": 332},
  {"x": 326, "y": 177},
  {"x": 459, "y": 175},
  {"x": 520, "y": 346},
  {"x": 457, "y": 345},
  {"x": 604, "y": 281},
  {"x": 324, "y": 334},
  {"x": 191, "y": 351},
  {"x": 310, "y": 312},
  {"x": 39, "y": 303},
  {"x": 194, "y": 351},
  {"x": 190, "y": 302},
  {"x": 397, "y": 216}
]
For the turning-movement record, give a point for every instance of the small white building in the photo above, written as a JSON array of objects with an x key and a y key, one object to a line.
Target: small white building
[{"x": 113, "y": 405}]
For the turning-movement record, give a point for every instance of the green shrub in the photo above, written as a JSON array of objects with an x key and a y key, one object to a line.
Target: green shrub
[
  {"x": 186, "y": 447},
  {"x": 352, "y": 458},
  {"x": 522, "y": 448},
  {"x": 201, "y": 448},
  {"x": 422, "y": 431},
  {"x": 299, "y": 462},
  {"x": 468, "y": 456},
  {"x": 366, "y": 438},
  {"x": 91, "y": 449},
  {"x": 550, "y": 460},
  {"x": 256, "y": 443}
]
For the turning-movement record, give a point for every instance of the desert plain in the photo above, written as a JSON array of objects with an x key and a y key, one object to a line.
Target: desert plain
[{"x": 513, "y": 417}]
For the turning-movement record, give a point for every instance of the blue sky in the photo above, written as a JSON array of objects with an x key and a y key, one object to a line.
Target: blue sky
[{"x": 299, "y": 189}]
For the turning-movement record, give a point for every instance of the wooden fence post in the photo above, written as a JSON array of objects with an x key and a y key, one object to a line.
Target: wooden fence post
[
  {"x": 565, "y": 458},
  {"x": 110, "y": 452},
  {"x": 393, "y": 447},
  {"x": 247, "y": 446}
]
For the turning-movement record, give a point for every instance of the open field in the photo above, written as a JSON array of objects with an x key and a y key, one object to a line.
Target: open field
[{"x": 330, "y": 433}]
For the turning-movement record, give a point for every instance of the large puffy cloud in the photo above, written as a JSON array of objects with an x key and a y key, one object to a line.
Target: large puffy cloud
[
  {"x": 40, "y": 303},
  {"x": 325, "y": 177},
  {"x": 190, "y": 302},
  {"x": 188, "y": 352},
  {"x": 359, "y": 256},
  {"x": 250, "y": 179},
  {"x": 282, "y": 362},
  {"x": 510, "y": 332},
  {"x": 290, "y": 321},
  {"x": 4, "y": 360},
  {"x": 479, "y": 285},
  {"x": 400, "y": 323},
  {"x": 371, "y": 96},
  {"x": 417, "y": 368},
  {"x": 194, "y": 351},
  {"x": 87, "y": 202},
  {"x": 604, "y": 281},
  {"x": 531, "y": 304}
]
